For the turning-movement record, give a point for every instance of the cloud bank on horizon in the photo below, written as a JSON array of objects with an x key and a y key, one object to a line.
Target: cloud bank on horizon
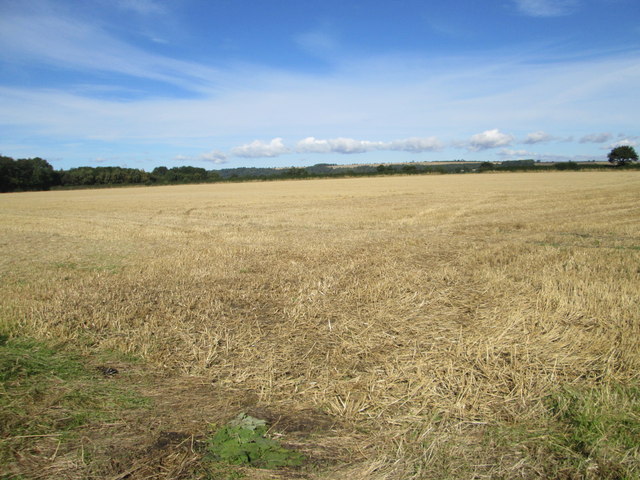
[{"x": 144, "y": 83}]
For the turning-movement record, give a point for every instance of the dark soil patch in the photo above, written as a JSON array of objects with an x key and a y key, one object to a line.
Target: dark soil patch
[
  {"x": 301, "y": 421},
  {"x": 168, "y": 440}
]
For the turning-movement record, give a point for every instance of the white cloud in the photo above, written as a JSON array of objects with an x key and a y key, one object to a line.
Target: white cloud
[
  {"x": 546, "y": 8},
  {"x": 417, "y": 145},
  {"x": 214, "y": 156},
  {"x": 620, "y": 143},
  {"x": 258, "y": 148},
  {"x": 538, "y": 137},
  {"x": 276, "y": 147},
  {"x": 440, "y": 96},
  {"x": 349, "y": 145},
  {"x": 260, "y": 103},
  {"x": 337, "y": 145},
  {"x": 596, "y": 138},
  {"x": 489, "y": 139},
  {"x": 518, "y": 154},
  {"x": 313, "y": 145}
]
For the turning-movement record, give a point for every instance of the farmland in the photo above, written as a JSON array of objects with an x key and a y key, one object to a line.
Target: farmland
[{"x": 388, "y": 327}]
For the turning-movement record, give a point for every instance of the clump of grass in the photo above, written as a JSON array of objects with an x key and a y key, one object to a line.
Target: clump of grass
[
  {"x": 601, "y": 427},
  {"x": 48, "y": 392},
  {"x": 584, "y": 433},
  {"x": 244, "y": 441},
  {"x": 22, "y": 359}
]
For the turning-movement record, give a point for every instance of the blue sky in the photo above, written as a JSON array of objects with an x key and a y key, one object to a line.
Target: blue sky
[{"x": 228, "y": 83}]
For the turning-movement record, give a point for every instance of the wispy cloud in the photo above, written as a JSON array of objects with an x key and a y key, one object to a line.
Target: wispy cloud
[
  {"x": 538, "y": 137},
  {"x": 61, "y": 41},
  {"x": 322, "y": 41},
  {"x": 489, "y": 139},
  {"x": 143, "y": 7},
  {"x": 516, "y": 154},
  {"x": 596, "y": 138},
  {"x": 520, "y": 154},
  {"x": 344, "y": 105},
  {"x": 214, "y": 156},
  {"x": 417, "y": 145},
  {"x": 546, "y": 8},
  {"x": 356, "y": 106}
]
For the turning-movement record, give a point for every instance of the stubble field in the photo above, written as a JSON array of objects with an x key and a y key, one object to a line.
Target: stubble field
[{"x": 453, "y": 326}]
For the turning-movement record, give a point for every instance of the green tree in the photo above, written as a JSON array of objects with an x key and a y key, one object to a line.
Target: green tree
[
  {"x": 42, "y": 174},
  {"x": 8, "y": 173},
  {"x": 294, "y": 172},
  {"x": 485, "y": 166},
  {"x": 26, "y": 174},
  {"x": 623, "y": 155}
]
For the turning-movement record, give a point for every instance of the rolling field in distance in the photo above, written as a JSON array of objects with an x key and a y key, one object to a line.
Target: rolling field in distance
[{"x": 449, "y": 326}]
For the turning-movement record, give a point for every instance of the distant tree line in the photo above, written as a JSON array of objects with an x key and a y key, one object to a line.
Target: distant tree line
[
  {"x": 26, "y": 174},
  {"x": 37, "y": 174}
]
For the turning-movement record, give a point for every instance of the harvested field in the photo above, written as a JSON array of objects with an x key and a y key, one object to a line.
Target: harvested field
[{"x": 389, "y": 327}]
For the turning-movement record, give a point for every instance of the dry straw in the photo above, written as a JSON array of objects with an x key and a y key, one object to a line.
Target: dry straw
[{"x": 411, "y": 310}]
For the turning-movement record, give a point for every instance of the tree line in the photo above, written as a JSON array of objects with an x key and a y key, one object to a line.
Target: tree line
[
  {"x": 37, "y": 174},
  {"x": 26, "y": 174}
]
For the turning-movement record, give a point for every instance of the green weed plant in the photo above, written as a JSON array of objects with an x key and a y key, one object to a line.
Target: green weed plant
[{"x": 244, "y": 441}]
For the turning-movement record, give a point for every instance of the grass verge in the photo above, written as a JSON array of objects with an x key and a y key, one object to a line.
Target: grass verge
[
  {"x": 46, "y": 392},
  {"x": 584, "y": 433}
]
